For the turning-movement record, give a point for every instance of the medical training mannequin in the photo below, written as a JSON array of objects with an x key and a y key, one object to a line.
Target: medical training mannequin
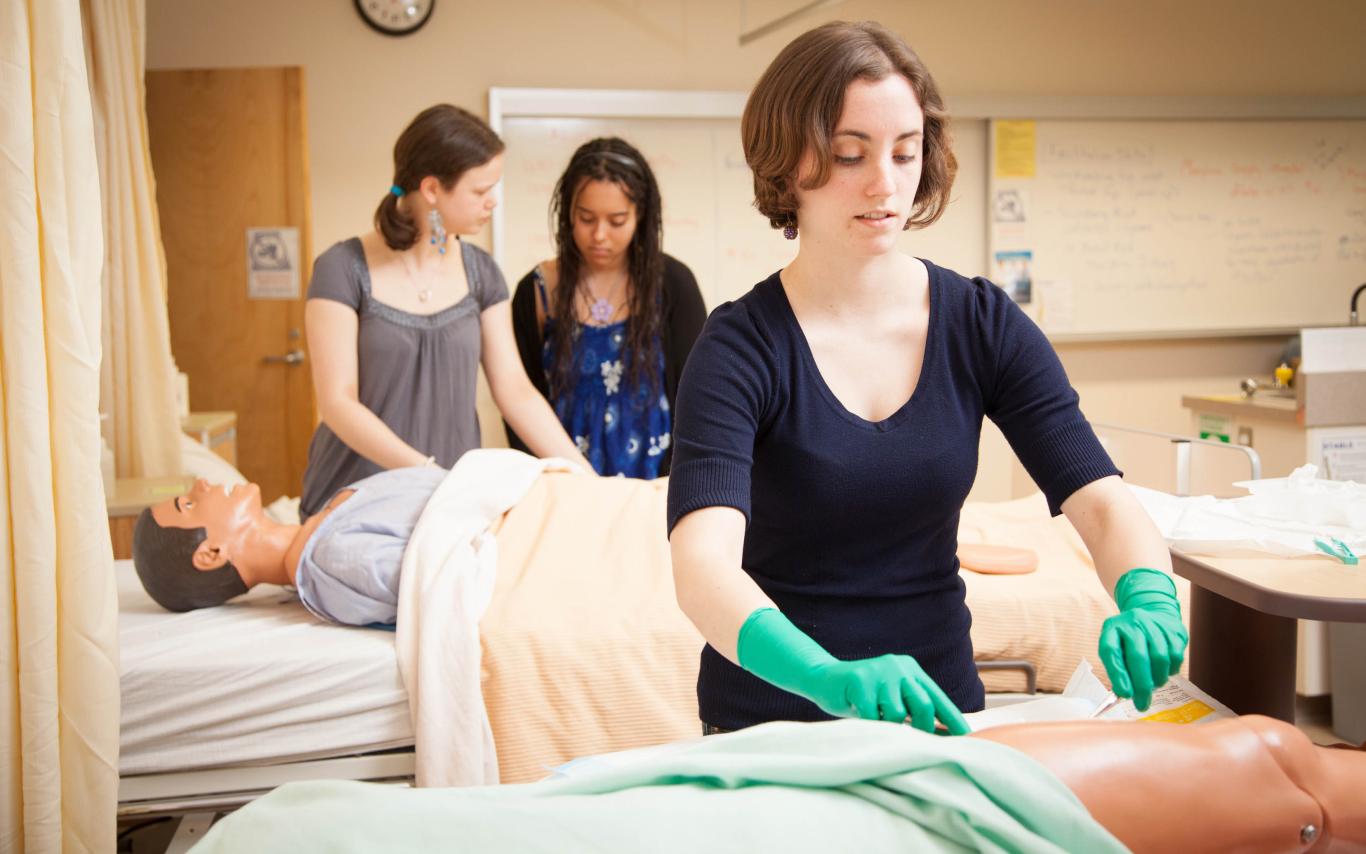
[
  {"x": 202, "y": 548},
  {"x": 1245, "y": 784},
  {"x": 828, "y": 424}
]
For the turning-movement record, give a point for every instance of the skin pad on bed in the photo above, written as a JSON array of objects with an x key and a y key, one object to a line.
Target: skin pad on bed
[{"x": 997, "y": 560}]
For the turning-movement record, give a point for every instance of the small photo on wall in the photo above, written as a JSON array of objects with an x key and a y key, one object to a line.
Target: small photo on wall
[
  {"x": 1009, "y": 206},
  {"x": 1013, "y": 273}
]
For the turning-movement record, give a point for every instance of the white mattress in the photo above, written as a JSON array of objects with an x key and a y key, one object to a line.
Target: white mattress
[{"x": 258, "y": 680}]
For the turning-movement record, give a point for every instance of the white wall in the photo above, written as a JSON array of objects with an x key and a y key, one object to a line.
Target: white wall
[{"x": 363, "y": 88}]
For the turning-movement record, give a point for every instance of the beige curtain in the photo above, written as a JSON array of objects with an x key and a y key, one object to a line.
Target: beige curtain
[
  {"x": 59, "y": 717},
  {"x": 137, "y": 376}
]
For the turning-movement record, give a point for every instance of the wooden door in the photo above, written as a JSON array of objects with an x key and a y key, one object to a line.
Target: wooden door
[{"x": 230, "y": 152}]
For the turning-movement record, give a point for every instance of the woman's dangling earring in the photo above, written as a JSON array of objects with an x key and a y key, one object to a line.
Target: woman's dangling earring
[
  {"x": 438, "y": 228},
  {"x": 790, "y": 230}
]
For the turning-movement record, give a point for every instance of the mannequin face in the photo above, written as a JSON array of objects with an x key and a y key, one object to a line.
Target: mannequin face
[
  {"x": 874, "y": 173},
  {"x": 604, "y": 224},
  {"x": 466, "y": 207},
  {"x": 228, "y": 516}
]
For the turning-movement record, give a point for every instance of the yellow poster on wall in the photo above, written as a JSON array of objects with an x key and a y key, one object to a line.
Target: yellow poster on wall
[{"x": 1015, "y": 149}]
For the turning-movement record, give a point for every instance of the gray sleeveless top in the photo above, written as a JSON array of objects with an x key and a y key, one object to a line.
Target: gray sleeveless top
[{"x": 416, "y": 372}]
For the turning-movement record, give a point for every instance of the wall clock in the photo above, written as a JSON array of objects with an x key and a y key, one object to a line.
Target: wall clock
[{"x": 395, "y": 17}]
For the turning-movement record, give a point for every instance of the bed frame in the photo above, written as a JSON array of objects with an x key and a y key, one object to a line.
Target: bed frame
[
  {"x": 1183, "y": 446},
  {"x": 193, "y": 798}
]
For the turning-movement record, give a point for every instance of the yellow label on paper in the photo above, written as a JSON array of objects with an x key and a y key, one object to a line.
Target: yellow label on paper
[
  {"x": 1187, "y": 714},
  {"x": 1016, "y": 142}
]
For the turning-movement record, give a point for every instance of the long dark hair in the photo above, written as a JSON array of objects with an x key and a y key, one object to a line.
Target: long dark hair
[
  {"x": 443, "y": 141},
  {"x": 615, "y": 160}
]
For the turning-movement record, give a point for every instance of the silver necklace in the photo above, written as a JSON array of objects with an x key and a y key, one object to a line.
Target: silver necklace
[{"x": 423, "y": 294}]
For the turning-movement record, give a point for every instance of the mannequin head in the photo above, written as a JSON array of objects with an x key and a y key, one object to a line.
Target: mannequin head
[
  {"x": 200, "y": 549},
  {"x": 164, "y": 560}
]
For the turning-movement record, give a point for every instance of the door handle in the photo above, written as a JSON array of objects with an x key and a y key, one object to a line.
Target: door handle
[{"x": 293, "y": 357}]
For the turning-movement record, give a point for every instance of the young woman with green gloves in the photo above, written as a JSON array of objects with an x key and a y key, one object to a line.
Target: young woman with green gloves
[{"x": 828, "y": 423}]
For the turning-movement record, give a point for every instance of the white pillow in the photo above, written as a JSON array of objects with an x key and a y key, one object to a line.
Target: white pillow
[
  {"x": 284, "y": 510},
  {"x": 199, "y": 461}
]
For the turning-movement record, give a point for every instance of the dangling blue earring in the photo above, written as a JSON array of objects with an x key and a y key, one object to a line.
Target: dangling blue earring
[
  {"x": 438, "y": 228},
  {"x": 790, "y": 230}
]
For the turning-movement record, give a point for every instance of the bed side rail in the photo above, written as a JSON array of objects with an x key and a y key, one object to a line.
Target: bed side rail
[{"x": 1183, "y": 447}]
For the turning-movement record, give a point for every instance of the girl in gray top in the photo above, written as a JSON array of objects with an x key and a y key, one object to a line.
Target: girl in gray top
[{"x": 400, "y": 319}]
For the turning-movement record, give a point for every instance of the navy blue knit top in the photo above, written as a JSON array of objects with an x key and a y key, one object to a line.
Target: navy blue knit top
[{"x": 853, "y": 525}]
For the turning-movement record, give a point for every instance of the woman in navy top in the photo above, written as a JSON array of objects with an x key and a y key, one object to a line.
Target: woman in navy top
[{"x": 828, "y": 424}]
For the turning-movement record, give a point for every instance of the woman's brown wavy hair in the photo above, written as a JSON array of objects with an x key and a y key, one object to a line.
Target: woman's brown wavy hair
[{"x": 797, "y": 102}]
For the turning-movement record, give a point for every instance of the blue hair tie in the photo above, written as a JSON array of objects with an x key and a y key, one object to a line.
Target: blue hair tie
[{"x": 396, "y": 190}]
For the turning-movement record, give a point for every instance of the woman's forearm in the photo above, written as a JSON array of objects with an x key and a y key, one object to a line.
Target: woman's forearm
[
  {"x": 1128, "y": 539},
  {"x": 1116, "y": 530},
  {"x": 365, "y": 433},
  {"x": 712, "y": 589},
  {"x": 531, "y": 418}
]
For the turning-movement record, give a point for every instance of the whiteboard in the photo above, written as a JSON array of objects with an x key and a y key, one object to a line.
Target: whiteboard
[
  {"x": 1136, "y": 228},
  {"x": 710, "y": 223}
]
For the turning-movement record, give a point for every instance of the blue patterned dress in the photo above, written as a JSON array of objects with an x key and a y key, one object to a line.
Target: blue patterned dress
[{"x": 622, "y": 431}]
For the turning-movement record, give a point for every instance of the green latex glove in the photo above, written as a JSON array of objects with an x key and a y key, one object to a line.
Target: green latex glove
[
  {"x": 889, "y": 687},
  {"x": 1144, "y": 643}
]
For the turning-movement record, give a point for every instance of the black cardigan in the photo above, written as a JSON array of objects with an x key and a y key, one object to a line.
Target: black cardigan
[{"x": 684, "y": 314}]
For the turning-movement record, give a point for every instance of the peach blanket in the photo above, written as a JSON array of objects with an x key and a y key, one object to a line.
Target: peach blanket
[{"x": 584, "y": 648}]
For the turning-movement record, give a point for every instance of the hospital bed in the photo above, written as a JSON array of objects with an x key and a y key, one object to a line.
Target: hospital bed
[
  {"x": 222, "y": 705},
  {"x": 584, "y": 651}
]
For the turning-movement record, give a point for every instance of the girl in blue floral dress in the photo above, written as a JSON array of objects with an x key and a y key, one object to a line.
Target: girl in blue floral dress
[{"x": 605, "y": 327}]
